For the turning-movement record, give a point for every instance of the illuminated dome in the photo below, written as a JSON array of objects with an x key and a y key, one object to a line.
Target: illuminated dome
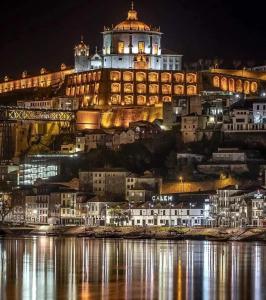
[{"x": 132, "y": 22}]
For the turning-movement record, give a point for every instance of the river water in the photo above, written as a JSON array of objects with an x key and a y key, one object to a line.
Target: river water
[{"x": 54, "y": 268}]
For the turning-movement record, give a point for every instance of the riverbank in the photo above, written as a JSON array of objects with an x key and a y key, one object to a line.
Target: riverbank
[{"x": 171, "y": 233}]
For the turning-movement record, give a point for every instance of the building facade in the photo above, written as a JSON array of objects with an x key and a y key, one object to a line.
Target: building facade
[{"x": 130, "y": 44}]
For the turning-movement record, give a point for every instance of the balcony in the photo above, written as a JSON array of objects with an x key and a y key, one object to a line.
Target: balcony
[{"x": 249, "y": 127}]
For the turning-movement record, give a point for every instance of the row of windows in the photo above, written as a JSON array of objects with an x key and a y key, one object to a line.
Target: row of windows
[
  {"x": 140, "y": 100},
  {"x": 153, "y": 76},
  {"x": 235, "y": 85},
  {"x": 141, "y": 48},
  {"x": 175, "y": 213},
  {"x": 153, "y": 89},
  {"x": 162, "y": 221},
  {"x": 84, "y": 78}
]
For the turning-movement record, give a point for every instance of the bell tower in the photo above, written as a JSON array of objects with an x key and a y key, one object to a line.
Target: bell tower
[{"x": 81, "y": 53}]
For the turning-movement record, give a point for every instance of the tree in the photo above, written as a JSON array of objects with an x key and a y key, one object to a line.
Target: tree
[
  {"x": 119, "y": 216},
  {"x": 5, "y": 208}
]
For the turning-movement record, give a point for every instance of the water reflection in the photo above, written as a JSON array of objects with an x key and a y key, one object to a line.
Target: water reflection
[{"x": 53, "y": 268}]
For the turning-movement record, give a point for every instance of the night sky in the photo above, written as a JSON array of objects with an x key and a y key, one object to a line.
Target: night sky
[{"x": 37, "y": 34}]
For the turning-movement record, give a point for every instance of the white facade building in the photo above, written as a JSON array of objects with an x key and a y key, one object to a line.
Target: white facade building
[
  {"x": 162, "y": 214},
  {"x": 131, "y": 44}
]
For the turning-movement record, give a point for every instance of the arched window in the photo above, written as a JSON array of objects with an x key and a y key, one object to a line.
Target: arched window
[
  {"x": 153, "y": 89},
  {"x": 141, "y": 88},
  {"x": 179, "y": 89},
  {"x": 115, "y": 99},
  {"x": 128, "y": 88},
  {"x": 153, "y": 77},
  {"x": 191, "y": 78},
  {"x": 166, "y": 77},
  {"x": 224, "y": 84},
  {"x": 166, "y": 89},
  {"x": 129, "y": 100},
  {"x": 115, "y": 88},
  {"x": 167, "y": 99},
  {"x": 141, "y": 76},
  {"x": 153, "y": 100},
  {"x": 231, "y": 85},
  {"x": 141, "y": 100},
  {"x": 247, "y": 87},
  {"x": 216, "y": 81},
  {"x": 128, "y": 76},
  {"x": 191, "y": 90},
  {"x": 115, "y": 76},
  {"x": 254, "y": 87},
  {"x": 239, "y": 87},
  {"x": 179, "y": 77}
]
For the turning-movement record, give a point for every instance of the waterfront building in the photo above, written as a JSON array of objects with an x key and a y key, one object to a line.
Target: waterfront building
[
  {"x": 184, "y": 214},
  {"x": 238, "y": 207}
]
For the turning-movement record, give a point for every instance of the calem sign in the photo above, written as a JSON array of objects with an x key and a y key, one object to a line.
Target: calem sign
[{"x": 162, "y": 198}]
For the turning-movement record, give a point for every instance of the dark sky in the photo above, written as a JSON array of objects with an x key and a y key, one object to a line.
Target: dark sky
[{"x": 37, "y": 34}]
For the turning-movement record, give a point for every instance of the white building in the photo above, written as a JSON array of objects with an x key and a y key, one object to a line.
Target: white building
[
  {"x": 130, "y": 44},
  {"x": 160, "y": 214}
]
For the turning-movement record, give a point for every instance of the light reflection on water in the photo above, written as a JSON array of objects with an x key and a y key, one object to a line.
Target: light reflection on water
[{"x": 53, "y": 268}]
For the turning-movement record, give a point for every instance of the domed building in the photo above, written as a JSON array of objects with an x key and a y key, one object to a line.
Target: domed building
[{"x": 131, "y": 44}]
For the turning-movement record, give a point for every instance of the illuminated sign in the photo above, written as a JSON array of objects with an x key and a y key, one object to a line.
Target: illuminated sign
[{"x": 162, "y": 198}]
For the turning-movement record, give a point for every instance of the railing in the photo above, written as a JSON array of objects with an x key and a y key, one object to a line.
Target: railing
[
  {"x": 8, "y": 113},
  {"x": 250, "y": 127}
]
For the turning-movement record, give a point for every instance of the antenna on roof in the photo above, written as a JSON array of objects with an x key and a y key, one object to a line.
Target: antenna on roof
[{"x": 132, "y": 5}]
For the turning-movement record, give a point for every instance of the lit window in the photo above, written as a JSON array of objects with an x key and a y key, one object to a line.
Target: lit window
[
  {"x": 121, "y": 47},
  {"x": 141, "y": 47},
  {"x": 155, "y": 49}
]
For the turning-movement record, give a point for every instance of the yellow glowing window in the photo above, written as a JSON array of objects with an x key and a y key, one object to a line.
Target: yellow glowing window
[
  {"x": 115, "y": 75},
  {"x": 128, "y": 76},
  {"x": 141, "y": 88},
  {"x": 191, "y": 90},
  {"x": 166, "y": 89},
  {"x": 129, "y": 100},
  {"x": 155, "y": 49},
  {"x": 121, "y": 47},
  {"x": 153, "y": 100},
  {"x": 179, "y": 89},
  {"x": 153, "y": 77},
  {"x": 128, "y": 88},
  {"x": 141, "y": 100},
  {"x": 115, "y": 88},
  {"x": 154, "y": 89},
  {"x": 141, "y": 47}
]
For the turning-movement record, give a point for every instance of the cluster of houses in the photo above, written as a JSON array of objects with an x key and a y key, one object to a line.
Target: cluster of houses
[
  {"x": 117, "y": 197},
  {"x": 87, "y": 140}
]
